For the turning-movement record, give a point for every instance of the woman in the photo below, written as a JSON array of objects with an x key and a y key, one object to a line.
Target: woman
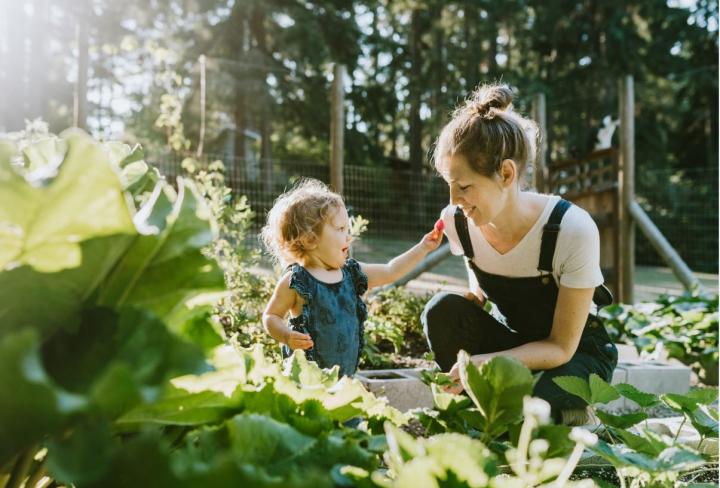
[{"x": 536, "y": 257}]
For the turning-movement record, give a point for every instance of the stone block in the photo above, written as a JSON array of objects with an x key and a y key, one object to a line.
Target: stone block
[
  {"x": 651, "y": 377},
  {"x": 402, "y": 387}
]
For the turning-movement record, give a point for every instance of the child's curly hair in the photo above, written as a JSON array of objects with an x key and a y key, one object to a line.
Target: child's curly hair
[{"x": 295, "y": 221}]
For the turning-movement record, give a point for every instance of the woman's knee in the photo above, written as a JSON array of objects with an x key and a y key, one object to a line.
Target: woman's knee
[{"x": 442, "y": 309}]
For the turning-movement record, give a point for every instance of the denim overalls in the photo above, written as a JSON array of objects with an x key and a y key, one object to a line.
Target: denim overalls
[
  {"x": 333, "y": 315},
  {"x": 452, "y": 322}
]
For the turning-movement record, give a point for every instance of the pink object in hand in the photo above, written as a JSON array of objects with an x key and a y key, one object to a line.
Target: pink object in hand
[{"x": 439, "y": 225}]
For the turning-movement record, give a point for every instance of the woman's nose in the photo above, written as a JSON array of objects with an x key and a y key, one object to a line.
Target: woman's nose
[{"x": 454, "y": 200}]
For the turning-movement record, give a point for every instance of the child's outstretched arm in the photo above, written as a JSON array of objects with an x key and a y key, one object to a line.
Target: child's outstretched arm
[
  {"x": 273, "y": 319},
  {"x": 383, "y": 274}
]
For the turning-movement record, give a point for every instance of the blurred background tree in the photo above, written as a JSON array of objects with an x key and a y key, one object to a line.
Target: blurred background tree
[{"x": 133, "y": 70}]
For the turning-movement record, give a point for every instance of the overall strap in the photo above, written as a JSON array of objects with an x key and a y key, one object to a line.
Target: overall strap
[
  {"x": 550, "y": 235},
  {"x": 463, "y": 234}
]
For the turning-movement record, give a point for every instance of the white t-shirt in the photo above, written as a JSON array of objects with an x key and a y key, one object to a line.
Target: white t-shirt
[{"x": 576, "y": 262}]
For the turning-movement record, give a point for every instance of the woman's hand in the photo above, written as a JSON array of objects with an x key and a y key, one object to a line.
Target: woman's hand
[
  {"x": 456, "y": 388},
  {"x": 478, "y": 300},
  {"x": 298, "y": 340}
]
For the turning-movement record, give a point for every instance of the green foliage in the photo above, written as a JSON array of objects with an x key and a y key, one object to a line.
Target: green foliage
[
  {"x": 91, "y": 285},
  {"x": 685, "y": 326},
  {"x": 497, "y": 388},
  {"x": 393, "y": 327},
  {"x": 642, "y": 453},
  {"x": 596, "y": 390},
  {"x": 239, "y": 309}
]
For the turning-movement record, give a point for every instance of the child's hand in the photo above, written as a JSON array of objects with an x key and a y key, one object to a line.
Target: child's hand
[
  {"x": 298, "y": 340},
  {"x": 432, "y": 240}
]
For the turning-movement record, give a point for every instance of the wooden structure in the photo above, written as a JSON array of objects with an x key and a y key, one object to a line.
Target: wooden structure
[
  {"x": 592, "y": 183},
  {"x": 603, "y": 183}
]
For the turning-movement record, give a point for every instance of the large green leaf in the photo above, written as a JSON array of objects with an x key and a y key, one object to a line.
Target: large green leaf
[
  {"x": 497, "y": 388},
  {"x": 622, "y": 421},
  {"x": 441, "y": 460},
  {"x": 165, "y": 267},
  {"x": 643, "y": 399},
  {"x": 702, "y": 417},
  {"x": 43, "y": 227},
  {"x": 48, "y": 301},
  {"x": 260, "y": 440},
  {"x": 670, "y": 459},
  {"x": 78, "y": 359},
  {"x": 575, "y": 385},
  {"x": 194, "y": 409},
  {"x": 301, "y": 371},
  {"x": 601, "y": 391},
  {"x": 31, "y": 406},
  {"x": 595, "y": 390}
]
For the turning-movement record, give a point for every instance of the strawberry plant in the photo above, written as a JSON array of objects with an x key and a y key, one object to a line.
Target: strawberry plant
[{"x": 686, "y": 327}]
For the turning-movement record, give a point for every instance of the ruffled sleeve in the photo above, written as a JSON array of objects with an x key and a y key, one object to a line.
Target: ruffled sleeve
[
  {"x": 302, "y": 283},
  {"x": 360, "y": 279},
  {"x": 305, "y": 287}
]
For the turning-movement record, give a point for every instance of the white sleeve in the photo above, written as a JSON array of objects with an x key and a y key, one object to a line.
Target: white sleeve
[
  {"x": 578, "y": 251},
  {"x": 448, "y": 217}
]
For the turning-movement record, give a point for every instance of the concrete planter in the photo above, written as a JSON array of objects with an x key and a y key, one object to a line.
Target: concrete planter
[{"x": 402, "y": 387}]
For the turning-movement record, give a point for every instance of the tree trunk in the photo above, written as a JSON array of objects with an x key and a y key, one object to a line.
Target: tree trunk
[
  {"x": 38, "y": 93},
  {"x": 13, "y": 90},
  {"x": 415, "y": 137},
  {"x": 260, "y": 34},
  {"x": 80, "y": 106},
  {"x": 240, "y": 111}
]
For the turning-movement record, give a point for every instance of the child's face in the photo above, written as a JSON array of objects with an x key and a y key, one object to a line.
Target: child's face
[{"x": 334, "y": 240}]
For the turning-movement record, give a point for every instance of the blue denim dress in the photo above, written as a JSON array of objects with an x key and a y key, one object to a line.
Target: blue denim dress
[{"x": 333, "y": 315}]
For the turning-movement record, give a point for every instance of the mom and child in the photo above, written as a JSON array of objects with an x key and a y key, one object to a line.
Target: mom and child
[{"x": 535, "y": 256}]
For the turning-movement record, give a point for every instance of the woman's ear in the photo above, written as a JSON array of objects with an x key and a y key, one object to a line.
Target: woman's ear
[{"x": 508, "y": 172}]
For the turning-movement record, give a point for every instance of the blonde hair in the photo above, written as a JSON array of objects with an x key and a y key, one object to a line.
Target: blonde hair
[
  {"x": 486, "y": 131},
  {"x": 295, "y": 221}
]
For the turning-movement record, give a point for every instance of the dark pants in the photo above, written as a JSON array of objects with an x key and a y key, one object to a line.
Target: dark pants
[{"x": 452, "y": 322}]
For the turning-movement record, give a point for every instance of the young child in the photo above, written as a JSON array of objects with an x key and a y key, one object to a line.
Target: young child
[{"x": 308, "y": 231}]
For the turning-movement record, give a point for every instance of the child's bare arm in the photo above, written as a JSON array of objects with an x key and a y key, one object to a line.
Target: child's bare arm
[
  {"x": 382, "y": 274},
  {"x": 273, "y": 319}
]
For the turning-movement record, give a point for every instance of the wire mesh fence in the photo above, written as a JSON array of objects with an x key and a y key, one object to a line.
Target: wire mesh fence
[
  {"x": 684, "y": 206},
  {"x": 404, "y": 204},
  {"x": 398, "y": 203}
]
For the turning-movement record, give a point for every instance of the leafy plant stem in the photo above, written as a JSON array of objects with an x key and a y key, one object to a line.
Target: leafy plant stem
[
  {"x": 677, "y": 434},
  {"x": 20, "y": 469},
  {"x": 523, "y": 445},
  {"x": 567, "y": 470},
  {"x": 37, "y": 474},
  {"x": 612, "y": 439},
  {"x": 621, "y": 478}
]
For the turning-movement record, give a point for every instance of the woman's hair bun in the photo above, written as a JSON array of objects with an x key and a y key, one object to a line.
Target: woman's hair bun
[{"x": 486, "y": 100}]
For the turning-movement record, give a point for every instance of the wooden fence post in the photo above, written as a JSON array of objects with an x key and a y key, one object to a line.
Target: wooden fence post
[
  {"x": 337, "y": 128},
  {"x": 540, "y": 174},
  {"x": 627, "y": 188}
]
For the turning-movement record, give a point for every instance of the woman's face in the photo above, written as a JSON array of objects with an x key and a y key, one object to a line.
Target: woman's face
[{"x": 480, "y": 198}]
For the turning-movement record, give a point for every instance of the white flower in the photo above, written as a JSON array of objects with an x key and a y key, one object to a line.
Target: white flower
[
  {"x": 582, "y": 436},
  {"x": 538, "y": 447},
  {"x": 537, "y": 408}
]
